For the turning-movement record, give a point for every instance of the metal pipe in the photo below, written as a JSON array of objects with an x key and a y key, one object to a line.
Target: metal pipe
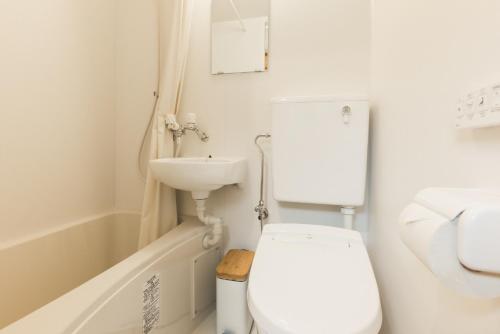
[
  {"x": 216, "y": 223},
  {"x": 261, "y": 208},
  {"x": 262, "y": 161},
  {"x": 348, "y": 213}
]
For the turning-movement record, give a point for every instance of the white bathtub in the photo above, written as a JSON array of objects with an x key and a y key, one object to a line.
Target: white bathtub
[{"x": 112, "y": 302}]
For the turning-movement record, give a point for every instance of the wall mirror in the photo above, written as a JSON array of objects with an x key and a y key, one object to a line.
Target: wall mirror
[{"x": 240, "y": 36}]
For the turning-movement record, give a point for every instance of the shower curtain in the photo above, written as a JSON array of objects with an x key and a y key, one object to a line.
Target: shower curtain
[{"x": 175, "y": 18}]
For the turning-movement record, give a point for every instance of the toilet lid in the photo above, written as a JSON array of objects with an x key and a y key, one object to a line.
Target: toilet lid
[{"x": 313, "y": 279}]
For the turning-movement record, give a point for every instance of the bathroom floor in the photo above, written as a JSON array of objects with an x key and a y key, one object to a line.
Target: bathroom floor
[{"x": 209, "y": 326}]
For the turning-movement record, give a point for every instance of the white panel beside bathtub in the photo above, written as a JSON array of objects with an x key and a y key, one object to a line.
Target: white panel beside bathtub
[
  {"x": 120, "y": 311},
  {"x": 203, "y": 278}
]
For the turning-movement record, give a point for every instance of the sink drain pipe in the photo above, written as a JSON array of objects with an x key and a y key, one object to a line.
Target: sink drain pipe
[{"x": 217, "y": 232}]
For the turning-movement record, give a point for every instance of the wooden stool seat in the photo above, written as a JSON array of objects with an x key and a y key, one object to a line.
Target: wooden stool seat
[{"x": 235, "y": 266}]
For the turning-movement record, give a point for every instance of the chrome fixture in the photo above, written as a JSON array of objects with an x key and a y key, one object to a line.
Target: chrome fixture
[
  {"x": 192, "y": 127},
  {"x": 261, "y": 207},
  {"x": 180, "y": 130}
]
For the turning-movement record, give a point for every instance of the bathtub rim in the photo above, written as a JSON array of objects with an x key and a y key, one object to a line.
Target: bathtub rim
[
  {"x": 5, "y": 245},
  {"x": 78, "y": 305}
]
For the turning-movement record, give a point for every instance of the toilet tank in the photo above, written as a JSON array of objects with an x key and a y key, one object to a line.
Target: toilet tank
[{"x": 320, "y": 148}]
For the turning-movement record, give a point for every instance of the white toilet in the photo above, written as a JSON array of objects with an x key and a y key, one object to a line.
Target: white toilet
[
  {"x": 309, "y": 279},
  {"x": 313, "y": 279}
]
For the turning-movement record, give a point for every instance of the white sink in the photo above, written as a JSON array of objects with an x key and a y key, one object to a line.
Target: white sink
[{"x": 199, "y": 175}]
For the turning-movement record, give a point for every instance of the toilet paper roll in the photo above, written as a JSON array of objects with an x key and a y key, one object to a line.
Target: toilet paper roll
[{"x": 433, "y": 239}]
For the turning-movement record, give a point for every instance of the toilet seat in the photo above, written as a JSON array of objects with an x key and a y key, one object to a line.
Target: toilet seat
[{"x": 310, "y": 279}]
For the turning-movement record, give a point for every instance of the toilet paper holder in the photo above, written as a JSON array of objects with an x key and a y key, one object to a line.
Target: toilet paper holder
[
  {"x": 478, "y": 236},
  {"x": 455, "y": 233}
]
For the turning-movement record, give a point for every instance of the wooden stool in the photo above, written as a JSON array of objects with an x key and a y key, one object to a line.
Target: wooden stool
[{"x": 233, "y": 315}]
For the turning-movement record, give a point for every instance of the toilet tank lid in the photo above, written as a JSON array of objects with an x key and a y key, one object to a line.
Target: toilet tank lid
[{"x": 313, "y": 279}]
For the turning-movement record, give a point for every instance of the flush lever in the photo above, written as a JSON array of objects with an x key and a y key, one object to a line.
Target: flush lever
[{"x": 346, "y": 114}]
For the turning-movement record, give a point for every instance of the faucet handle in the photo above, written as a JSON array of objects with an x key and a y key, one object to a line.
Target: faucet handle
[
  {"x": 191, "y": 118},
  {"x": 172, "y": 122}
]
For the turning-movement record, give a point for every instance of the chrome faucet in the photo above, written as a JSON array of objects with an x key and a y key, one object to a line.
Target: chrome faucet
[
  {"x": 180, "y": 130},
  {"x": 192, "y": 127}
]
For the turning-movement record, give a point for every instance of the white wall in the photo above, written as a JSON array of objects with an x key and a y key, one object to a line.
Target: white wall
[
  {"x": 56, "y": 112},
  {"x": 136, "y": 80},
  {"x": 57, "y": 122},
  {"x": 311, "y": 54},
  {"x": 426, "y": 54},
  {"x": 222, "y": 10}
]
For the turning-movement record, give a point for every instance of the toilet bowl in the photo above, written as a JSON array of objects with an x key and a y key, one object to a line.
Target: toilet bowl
[{"x": 309, "y": 279}]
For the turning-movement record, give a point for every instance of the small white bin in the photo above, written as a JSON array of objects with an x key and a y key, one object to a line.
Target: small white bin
[{"x": 233, "y": 316}]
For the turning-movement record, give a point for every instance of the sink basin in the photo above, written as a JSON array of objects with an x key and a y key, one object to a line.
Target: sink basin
[{"x": 200, "y": 176}]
